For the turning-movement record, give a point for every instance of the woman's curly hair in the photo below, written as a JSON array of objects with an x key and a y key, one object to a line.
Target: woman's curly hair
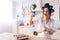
[{"x": 50, "y": 8}]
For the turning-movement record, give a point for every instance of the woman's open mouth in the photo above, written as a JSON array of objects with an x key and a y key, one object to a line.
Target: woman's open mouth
[{"x": 45, "y": 14}]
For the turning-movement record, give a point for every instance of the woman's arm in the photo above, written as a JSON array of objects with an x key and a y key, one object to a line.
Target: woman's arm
[
  {"x": 49, "y": 31},
  {"x": 31, "y": 22}
]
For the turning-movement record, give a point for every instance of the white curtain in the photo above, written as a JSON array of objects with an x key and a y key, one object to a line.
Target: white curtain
[
  {"x": 5, "y": 10},
  {"x": 5, "y": 16}
]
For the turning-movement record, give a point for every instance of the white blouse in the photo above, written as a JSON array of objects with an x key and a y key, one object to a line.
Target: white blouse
[
  {"x": 49, "y": 25},
  {"x": 40, "y": 25}
]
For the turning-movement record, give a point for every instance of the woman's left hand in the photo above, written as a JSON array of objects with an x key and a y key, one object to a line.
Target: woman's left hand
[{"x": 50, "y": 31}]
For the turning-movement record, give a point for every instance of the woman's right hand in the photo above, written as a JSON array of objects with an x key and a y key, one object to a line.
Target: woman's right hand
[{"x": 32, "y": 15}]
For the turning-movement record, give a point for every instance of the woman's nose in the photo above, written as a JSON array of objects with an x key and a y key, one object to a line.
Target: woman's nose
[{"x": 45, "y": 12}]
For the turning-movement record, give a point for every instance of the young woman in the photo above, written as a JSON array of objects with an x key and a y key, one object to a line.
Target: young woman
[{"x": 47, "y": 21}]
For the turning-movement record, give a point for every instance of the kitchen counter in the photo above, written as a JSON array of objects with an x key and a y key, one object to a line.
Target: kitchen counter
[
  {"x": 33, "y": 38},
  {"x": 39, "y": 38}
]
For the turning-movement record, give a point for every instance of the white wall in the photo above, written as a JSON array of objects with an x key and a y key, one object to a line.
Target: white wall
[
  {"x": 5, "y": 16},
  {"x": 5, "y": 27}
]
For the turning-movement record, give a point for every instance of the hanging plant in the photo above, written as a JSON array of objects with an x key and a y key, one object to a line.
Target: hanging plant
[{"x": 33, "y": 7}]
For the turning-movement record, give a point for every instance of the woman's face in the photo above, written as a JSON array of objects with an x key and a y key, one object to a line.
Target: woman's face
[{"x": 46, "y": 13}]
